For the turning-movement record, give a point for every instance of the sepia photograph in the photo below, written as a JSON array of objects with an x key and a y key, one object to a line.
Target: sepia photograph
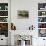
[{"x": 23, "y": 14}]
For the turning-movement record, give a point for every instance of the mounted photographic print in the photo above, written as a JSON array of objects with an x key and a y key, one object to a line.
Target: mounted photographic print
[
  {"x": 3, "y": 19},
  {"x": 42, "y": 6},
  {"x": 41, "y": 25},
  {"x": 23, "y": 14},
  {"x": 42, "y": 32},
  {"x": 41, "y": 19},
  {"x": 41, "y": 13},
  {"x": 3, "y": 13},
  {"x": 4, "y": 29},
  {"x": 3, "y": 6}
]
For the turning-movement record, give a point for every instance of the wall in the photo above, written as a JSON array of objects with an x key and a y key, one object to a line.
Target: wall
[{"x": 23, "y": 24}]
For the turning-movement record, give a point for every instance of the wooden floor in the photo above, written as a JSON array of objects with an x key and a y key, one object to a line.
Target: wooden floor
[{"x": 3, "y": 45}]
